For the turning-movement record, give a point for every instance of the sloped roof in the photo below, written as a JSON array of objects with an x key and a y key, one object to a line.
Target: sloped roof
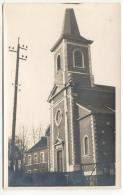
[
  {"x": 92, "y": 109},
  {"x": 41, "y": 144},
  {"x": 105, "y": 87},
  {"x": 70, "y": 30},
  {"x": 70, "y": 26},
  {"x": 56, "y": 89},
  {"x": 100, "y": 109},
  {"x": 47, "y": 132},
  {"x": 52, "y": 92}
]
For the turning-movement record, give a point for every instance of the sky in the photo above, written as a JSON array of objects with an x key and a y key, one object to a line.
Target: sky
[{"x": 39, "y": 26}]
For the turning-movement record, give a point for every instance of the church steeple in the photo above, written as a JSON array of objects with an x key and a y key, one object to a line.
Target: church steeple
[
  {"x": 72, "y": 61},
  {"x": 70, "y": 27},
  {"x": 70, "y": 30}
]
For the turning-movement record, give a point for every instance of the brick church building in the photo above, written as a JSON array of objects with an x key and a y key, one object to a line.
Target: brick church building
[
  {"x": 81, "y": 136},
  {"x": 82, "y": 133}
]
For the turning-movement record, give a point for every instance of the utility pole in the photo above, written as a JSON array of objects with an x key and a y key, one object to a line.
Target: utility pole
[{"x": 16, "y": 85}]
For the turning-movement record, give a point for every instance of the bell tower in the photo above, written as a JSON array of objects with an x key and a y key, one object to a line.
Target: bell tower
[
  {"x": 72, "y": 63},
  {"x": 72, "y": 56}
]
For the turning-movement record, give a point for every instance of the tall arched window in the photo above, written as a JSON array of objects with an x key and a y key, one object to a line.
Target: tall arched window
[
  {"x": 78, "y": 57},
  {"x": 58, "y": 62},
  {"x": 86, "y": 145}
]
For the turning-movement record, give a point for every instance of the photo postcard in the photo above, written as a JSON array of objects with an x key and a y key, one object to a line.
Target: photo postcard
[{"x": 61, "y": 82}]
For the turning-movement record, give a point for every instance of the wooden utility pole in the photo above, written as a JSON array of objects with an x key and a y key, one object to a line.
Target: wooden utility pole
[{"x": 16, "y": 85}]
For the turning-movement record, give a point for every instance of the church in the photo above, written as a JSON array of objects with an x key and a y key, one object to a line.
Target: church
[
  {"x": 82, "y": 128},
  {"x": 81, "y": 135}
]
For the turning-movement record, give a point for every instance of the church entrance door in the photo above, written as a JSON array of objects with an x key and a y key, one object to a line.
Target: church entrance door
[{"x": 59, "y": 161}]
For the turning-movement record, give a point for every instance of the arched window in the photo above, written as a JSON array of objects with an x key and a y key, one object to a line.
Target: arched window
[
  {"x": 58, "y": 62},
  {"x": 86, "y": 145},
  {"x": 78, "y": 57}
]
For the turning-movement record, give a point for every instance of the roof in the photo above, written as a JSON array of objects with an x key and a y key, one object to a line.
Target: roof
[
  {"x": 100, "y": 109},
  {"x": 99, "y": 88},
  {"x": 105, "y": 88},
  {"x": 57, "y": 89},
  {"x": 70, "y": 30},
  {"x": 47, "y": 132},
  {"x": 52, "y": 92},
  {"x": 39, "y": 145},
  {"x": 92, "y": 109}
]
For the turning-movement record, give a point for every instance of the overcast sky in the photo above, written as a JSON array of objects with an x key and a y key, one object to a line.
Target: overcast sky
[{"x": 39, "y": 26}]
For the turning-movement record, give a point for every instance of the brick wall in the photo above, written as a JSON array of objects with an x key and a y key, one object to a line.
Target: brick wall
[
  {"x": 33, "y": 165},
  {"x": 105, "y": 137},
  {"x": 85, "y": 130},
  {"x": 97, "y": 98}
]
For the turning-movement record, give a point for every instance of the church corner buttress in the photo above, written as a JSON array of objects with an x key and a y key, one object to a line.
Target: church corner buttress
[{"x": 82, "y": 113}]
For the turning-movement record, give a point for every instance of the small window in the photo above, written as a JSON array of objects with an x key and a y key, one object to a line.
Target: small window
[
  {"x": 78, "y": 59},
  {"x": 41, "y": 157},
  {"x": 35, "y": 157},
  {"x": 58, "y": 62},
  {"x": 86, "y": 146},
  {"x": 29, "y": 159},
  {"x": 58, "y": 116}
]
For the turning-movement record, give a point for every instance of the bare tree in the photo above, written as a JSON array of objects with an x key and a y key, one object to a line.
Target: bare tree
[
  {"x": 23, "y": 135},
  {"x": 34, "y": 135},
  {"x": 40, "y": 132},
  {"x": 37, "y": 133},
  {"x": 20, "y": 149}
]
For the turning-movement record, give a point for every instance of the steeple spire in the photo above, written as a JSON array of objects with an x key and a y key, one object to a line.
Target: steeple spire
[
  {"x": 70, "y": 26},
  {"x": 70, "y": 30}
]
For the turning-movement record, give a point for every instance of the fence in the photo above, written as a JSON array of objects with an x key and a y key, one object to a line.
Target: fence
[{"x": 21, "y": 179}]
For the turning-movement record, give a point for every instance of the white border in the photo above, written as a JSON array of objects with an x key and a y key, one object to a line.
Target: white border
[{"x": 53, "y": 190}]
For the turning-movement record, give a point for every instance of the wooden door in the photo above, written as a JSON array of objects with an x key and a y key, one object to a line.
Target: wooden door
[{"x": 59, "y": 161}]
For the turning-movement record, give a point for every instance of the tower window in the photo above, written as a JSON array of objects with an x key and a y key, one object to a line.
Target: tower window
[
  {"x": 58, "y": 62},
  {"x": 78, "y": 58},
  {"x": 86, "y": 145}
]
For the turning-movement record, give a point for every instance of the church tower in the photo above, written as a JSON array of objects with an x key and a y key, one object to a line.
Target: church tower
[
  {"x": 72, "y": 54},
  {"x": 82, "y": 133},
  {"x": 72, "y": 63}
]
